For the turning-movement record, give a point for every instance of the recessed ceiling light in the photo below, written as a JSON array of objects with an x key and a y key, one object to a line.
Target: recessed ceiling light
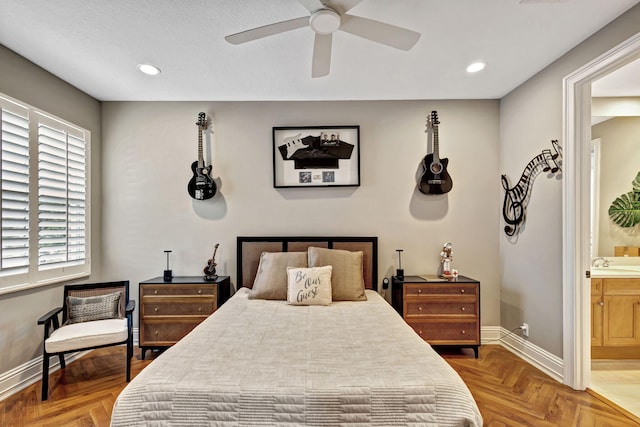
[
  {"x": 475, "y": 67},
  {"x": 149, "y": 69}
]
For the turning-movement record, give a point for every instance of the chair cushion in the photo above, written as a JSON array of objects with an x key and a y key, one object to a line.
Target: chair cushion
[{"x": 75, "y": 336}]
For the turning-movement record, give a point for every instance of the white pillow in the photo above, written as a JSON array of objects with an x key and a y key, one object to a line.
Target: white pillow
[{"x": 309, "y": 286}]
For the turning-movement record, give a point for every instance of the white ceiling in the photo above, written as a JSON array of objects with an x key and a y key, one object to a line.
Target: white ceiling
[{"x": 96, "y": 44}]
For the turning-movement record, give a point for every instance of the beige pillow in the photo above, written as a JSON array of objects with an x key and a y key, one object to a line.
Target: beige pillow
[
  {"x": 347, "y": 280},
  {"x": 309, "y": 286},
  {"x": 271, "y": 279}
]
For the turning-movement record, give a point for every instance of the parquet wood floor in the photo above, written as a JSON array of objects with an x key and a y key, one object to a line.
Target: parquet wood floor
[{"x": 509, "y": 392}]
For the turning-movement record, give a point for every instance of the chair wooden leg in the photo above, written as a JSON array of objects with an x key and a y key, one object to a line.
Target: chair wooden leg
[
  {"x": 45, "y": 376},
  {"x": 129, "y": 356}
]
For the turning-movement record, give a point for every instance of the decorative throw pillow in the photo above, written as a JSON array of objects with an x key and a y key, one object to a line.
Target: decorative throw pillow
[
  {"x": 271, "y": 279},
  {"x": 309, "y": 286},
  {"x": 347, "y": 280},
  {"x": 93, "y": 308}
]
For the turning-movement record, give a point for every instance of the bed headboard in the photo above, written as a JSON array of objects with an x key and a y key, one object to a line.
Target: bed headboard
[{"x": 250, "y": 248}]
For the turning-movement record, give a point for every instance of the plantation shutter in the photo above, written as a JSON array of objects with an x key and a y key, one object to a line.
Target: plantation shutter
[
  {"x": 14, "y": 134},
  {"x": 62, "y": 186}
]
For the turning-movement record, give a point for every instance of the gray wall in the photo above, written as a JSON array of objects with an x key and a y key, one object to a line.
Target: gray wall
[
  {"x": 531, "y": 265},
  {"x": 148, "y": 148},
  {"x": 20, "y": 337}
]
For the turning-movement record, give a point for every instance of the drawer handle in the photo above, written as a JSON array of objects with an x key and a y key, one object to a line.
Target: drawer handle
[
  {"x": 200, "y": 309},
  {"x": 462, "y": 291},
  {"x": 463, "y": 308},
  {"x": 155, "y": 292},
  {"x": 156, "y": 333},
  {"x": 602, "y": 303},
  {"x": 199, "y": 291},
  {"x": 420, "y": 332},
  {"x": 463, "y": 332},
  {"x": 419, "y": 291},
  {"x": 155, "y": 309},
  {"x": 420, "y": 308}
]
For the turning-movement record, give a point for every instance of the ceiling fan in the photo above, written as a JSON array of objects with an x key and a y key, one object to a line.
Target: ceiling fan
[{"x": 326, "y": 17}]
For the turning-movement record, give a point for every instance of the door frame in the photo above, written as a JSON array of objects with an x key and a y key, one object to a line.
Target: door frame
[{"x": 576, "y": 215}]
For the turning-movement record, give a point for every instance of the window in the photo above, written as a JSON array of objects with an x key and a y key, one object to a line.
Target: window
[{"x": 45, "y": 219}]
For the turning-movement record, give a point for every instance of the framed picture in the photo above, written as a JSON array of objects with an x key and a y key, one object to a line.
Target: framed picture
[{"x": 321, "y": 156}]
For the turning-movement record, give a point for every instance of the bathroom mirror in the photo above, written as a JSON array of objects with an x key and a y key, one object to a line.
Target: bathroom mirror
[{"x": 615, "y": 158}]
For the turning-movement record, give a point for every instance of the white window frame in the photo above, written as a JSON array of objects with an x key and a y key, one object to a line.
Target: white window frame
[{"x": 37, "y": 275}]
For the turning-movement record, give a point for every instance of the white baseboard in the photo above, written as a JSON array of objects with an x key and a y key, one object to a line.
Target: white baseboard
[
  {"x": 23, "y": 376},
  {"x": 28, "y": 373},
  {"x": 548, "y": 363}
]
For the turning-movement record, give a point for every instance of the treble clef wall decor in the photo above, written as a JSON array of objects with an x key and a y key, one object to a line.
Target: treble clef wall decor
[{"x": 517, "y": 197}]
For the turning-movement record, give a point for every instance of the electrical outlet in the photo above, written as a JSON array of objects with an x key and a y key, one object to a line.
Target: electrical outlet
[{"x": 525, "y": 330}]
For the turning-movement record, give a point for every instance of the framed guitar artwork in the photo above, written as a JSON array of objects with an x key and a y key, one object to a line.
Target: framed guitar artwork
[
  {"x": 320, "y": 156},
  {"x": 201, "y": 186},
  {"x": 435, "y": 179}
]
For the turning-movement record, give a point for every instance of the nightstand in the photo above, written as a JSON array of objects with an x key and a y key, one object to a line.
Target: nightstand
[
  {"x": 169, "y": 310},
  {"x": 444, "y": 312}
]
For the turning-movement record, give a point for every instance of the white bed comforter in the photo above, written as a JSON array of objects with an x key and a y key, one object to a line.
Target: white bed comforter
[{"x": 266, "y": 363}]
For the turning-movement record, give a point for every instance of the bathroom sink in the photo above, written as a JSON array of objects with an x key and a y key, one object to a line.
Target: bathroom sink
[{"x": 616, "y": 271}]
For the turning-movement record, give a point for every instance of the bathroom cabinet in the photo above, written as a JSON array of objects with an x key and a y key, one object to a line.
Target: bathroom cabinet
[{"x": 615, "y": 318}]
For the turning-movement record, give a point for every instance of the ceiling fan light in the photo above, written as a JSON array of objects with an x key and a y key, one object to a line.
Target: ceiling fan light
[
  {"x": 148, "y": 69},
  {"x": 324, "y": 21},
  {"x": 476, "y": 66}
]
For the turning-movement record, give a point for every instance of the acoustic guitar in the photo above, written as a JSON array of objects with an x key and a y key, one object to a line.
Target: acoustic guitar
[
  {"x": 435, "y": 178},
  {"x": 201, "y": 186}
]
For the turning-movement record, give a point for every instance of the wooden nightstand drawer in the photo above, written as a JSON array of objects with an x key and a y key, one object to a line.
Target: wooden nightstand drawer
[
  {"x": 447, "y": 332},
  {"x": 177, "y": 307},
  {"x": 421, "y": 289},
  {"x": 425, "y": 308},
  {"x": 172, "y": 290},
  {"x": 167, "y": 332}
]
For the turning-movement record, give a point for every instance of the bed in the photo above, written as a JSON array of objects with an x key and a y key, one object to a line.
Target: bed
[{"x": 261, "y": 360}]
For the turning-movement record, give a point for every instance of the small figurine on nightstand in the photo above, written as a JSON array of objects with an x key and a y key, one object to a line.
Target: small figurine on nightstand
[
  {"x": 210, "y": 270},
  {"x": 446, "y": 256}
]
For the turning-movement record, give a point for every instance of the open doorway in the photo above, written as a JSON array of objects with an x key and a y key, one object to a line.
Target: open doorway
[
  {"x": 576, "y": 209},
  {"x": 615, "y": 151}
]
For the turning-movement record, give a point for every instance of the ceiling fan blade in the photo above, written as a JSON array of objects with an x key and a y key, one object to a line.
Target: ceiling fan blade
[
  {"x": 312, "y": 5},
  {"x": 380, "y": 32},
  {"x": 321, "y": 55},
  {"x": 267, "y": 30}
]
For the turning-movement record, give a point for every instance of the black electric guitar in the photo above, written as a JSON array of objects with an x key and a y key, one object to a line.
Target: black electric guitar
[
  {"x": 201, "y": 186},
  {"x": 435, "y": 179}
]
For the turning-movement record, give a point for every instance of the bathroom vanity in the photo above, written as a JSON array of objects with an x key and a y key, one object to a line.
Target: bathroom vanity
[{"x": 615, "y": 312}]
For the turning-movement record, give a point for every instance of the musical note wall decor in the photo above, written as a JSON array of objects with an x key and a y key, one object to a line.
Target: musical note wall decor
[{"x": 517, "y": 197}]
